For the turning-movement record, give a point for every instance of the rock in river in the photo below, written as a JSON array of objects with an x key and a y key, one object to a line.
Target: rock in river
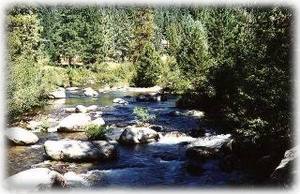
[
  {"x": 151, "y": 97},
  {"x": 58, "y": 94},
  {"x": 284, "y": 171},
  {"x": 35, "y": 179},
  {"x": 120, "y": 101},
  {"x": 90, "y": 92},
  {"x": 84, "y": 109},
  {"x": 74, "y": 122},
  {"x": 69, "y": 150},
  {"x": 136, "y": 135},
  {"x": 206, "y": 147},
  {"x": 21, "y": 136},
  {"x": 99, "y": 121}
]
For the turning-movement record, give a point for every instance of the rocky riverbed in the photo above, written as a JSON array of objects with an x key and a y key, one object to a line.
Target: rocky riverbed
[{"x": 174, "y": 150}]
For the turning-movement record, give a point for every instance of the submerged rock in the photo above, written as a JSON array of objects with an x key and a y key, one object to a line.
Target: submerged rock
[
  {"x": 90, "y": 92},
  {"x": 136, "y": 135},
  {"x": 21, "y": 136},
  {"x": 79, "y": 150},
  {"x": 58, "y": 94},
  {"x": 284, "y": 171},
  {"x": 120, "y": 101},
  {"x": 74, "y": 122},
  {"x": 36, "y": 179}
]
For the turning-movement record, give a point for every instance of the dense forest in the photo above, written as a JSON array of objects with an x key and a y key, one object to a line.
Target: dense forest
[{"x": 233, "y": 63}]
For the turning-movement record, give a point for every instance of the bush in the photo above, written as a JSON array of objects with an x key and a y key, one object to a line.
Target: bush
[
  {"x": 24, "y": 88},
  {"x": 95, "y": 132},
  {"x": 143, "y": 115}
]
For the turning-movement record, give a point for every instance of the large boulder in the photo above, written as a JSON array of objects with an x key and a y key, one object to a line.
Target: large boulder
[
  {"x": 136, "y": 135},
  {"x": 90, "y": 92},
  {"x": 70, "y": 109},
  {"x": 74, "y": 122},
  {"x": 21, "y": 136},
  {"x": 98, "y": 121},
  {"x": 81, "y": 109},
  {"x": 285, "y": 170},
  {"x": 84, "y": 109},
  {"x": 206, "y": 148},
  {"x": 35, "y": 179},
  {"x": 70, "y": 150},
  {"x": 189, "y": 113},
  {"x": 92, "y": 108},
  {"x": 58, "y": 94},
  {"x": 201, "y": 153}
]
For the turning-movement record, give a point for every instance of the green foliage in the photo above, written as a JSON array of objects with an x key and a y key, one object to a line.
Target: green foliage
[
  {"x": 147, "y": 67},
  {"x": 143, "y": 115},
  {"x": 143, "y": 32},
  {"x": 193, "y": 54},
  {"x": 24, "y": 90},
  {"x": 171, "y": 77},
  {"x": 96, "y": 132}
]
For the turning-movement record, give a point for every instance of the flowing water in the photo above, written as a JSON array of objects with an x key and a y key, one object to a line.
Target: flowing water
[{"x": 162, "y": 163}]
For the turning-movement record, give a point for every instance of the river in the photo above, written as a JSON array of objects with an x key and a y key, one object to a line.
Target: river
[{"x": 159, "y": 164}]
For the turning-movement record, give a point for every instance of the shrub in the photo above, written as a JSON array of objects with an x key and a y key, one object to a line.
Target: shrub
[
  {"x": 143, "y": 115},
  {"x": 96, "y": 132}
]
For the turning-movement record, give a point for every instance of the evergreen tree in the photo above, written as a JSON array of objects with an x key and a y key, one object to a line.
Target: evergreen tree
[
  {"x": 147, "y": 67},
  {"x": 143, "y": 31}
]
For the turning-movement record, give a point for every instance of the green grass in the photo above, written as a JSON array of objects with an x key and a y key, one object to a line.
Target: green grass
[
  {"x": 143, "y": 115},
  {"x": 96, "y": 132}
]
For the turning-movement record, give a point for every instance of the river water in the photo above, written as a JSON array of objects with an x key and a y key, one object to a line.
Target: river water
[{"x": 159, "y": 164}]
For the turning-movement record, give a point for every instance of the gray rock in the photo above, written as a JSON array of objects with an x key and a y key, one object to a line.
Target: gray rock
[
  {"x": 35, "y": 179},
  {"x": 99, "y": 121},
  {"x": 201, "y": 153},
  {"x": 70, "y": 110},
  {"x": 120, "y": 101},
  {"x": 58, "y": 94},
  {"x": 81, "y": 109},
  {"x": 151, "y": 97},
  {"x": 89, "y": 92},
  {"x": 21, "y": 136},
  {"x": 92, "y": 108},
  {"x": 136, "y": 135},
  {"x": 75, "y": 180},
  {"x": 74, "y": 122},
  {"x": 206, "y": 148},
  {"x": 284, "y": 171},
  {"x": 74, "y": 150}
]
